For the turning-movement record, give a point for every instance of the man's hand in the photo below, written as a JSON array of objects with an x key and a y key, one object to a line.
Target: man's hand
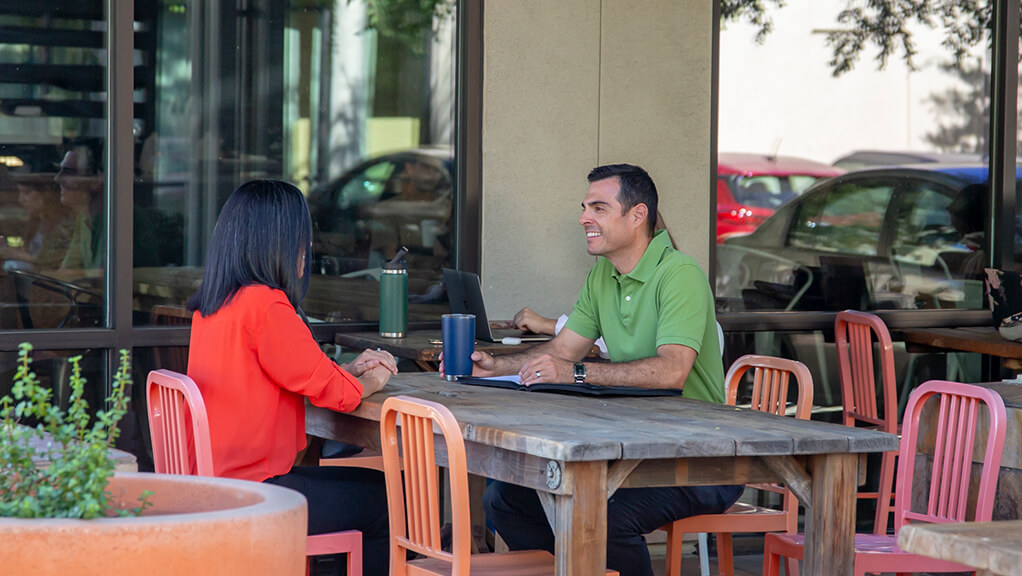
[
  {"x": 482, "y": 365},
  {"x": 370, "y": 359},
  {"x": 529, "y": 320},
  {"x": 546, "y": 368}
]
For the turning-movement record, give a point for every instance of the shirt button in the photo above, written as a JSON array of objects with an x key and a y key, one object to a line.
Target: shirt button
[{"x": 628, "y": 298}]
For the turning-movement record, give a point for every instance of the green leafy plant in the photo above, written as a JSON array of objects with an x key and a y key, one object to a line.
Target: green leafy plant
[
  {"x": 74, "y": 483},
  {"x": 407, "y": 21}
]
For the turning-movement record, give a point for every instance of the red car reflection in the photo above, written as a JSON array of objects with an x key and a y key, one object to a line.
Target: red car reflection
[{"x": 750, "y": 187}]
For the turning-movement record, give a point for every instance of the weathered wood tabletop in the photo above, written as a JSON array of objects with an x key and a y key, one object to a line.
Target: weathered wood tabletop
[
  {"x": 993, "y": 548},
  {"x": 422, "y": 346},
  {"x": 576, "y": 451}
]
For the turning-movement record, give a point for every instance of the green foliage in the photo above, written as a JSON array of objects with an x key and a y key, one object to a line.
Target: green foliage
[
  {"x": 407, "y": 21},
  {"x": 74, "y": 484},
  {"x": 884, "y": 25}
]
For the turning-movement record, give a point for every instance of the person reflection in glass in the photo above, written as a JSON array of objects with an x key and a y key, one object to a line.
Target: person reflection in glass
[
  {"x": 81, "y": 190},
  {"x": 967, "y": 211},
  {"x": 46, "y": 230}
]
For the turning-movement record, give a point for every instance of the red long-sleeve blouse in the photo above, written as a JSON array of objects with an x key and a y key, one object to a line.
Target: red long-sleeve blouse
[{"x": 255, "y": 361}]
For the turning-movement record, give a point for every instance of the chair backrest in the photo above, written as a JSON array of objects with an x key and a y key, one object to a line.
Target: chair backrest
[
  {"x": 178, "y": 425},
  {"x": 770, "y": 380},
  {"x": 771, "y": 377},
  {"x": 170, "y": 357},
  {"x": 853, "y": 333},
  {"x": 415, "y": 515},
  {"x": 959, "y": 429}
]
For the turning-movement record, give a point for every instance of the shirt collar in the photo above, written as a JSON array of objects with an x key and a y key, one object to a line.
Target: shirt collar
[{"x": 647, "y": 264}]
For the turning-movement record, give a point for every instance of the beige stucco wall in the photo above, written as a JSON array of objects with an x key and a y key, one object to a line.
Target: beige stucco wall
[{"x": 568, "y": 85}]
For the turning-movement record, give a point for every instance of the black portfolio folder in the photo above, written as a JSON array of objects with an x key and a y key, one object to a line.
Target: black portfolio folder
[{"x": 572, "y": 388}]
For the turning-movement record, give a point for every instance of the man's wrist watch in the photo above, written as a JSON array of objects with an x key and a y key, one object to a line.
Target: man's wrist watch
[{"x": 580, "y": 373}]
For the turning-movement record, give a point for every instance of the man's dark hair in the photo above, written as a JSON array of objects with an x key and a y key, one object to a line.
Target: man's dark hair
[
  {"x": 635, "y": 187},
  {"x": 262, "y": 232},
  {"x": 92, "y": 148}
]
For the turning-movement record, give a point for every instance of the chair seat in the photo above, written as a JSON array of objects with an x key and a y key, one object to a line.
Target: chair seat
[
  {"x": 523, "y": 563},
  {"x": 752, "y": 518},
  {"x": 868, "y": 546}
]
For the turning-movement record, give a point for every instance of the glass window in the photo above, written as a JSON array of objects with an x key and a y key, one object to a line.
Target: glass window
[
  {"x": 862, "y": 163},
  {"x": 53, "y": 191},
  {"x": 358, "y": 115}
]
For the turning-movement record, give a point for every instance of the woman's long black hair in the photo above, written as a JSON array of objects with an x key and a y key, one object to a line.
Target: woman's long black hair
[{"x": 261, "y": 234}]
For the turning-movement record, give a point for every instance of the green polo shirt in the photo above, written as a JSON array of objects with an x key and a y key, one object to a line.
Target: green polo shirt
[{"x": 666, "y": 299}]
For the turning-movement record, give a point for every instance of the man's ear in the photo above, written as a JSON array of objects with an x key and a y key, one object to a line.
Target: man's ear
[{"x": 640, "y": 212}]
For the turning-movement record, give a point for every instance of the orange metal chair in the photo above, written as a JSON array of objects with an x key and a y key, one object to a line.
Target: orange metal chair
[
  {"x": 961, "y": 433},
  {"x": 179, "y": 428},
  {"x": 771, "y": 377},
  {"x": 414, "y": 504},
  {"x": 853, "y": 334}
]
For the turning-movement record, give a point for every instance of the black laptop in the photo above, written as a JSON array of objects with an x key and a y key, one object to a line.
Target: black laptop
[{"x": 465, "y": 294}]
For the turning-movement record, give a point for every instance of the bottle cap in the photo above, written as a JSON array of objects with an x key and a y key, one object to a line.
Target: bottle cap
[{"x": 398, "y": 261}]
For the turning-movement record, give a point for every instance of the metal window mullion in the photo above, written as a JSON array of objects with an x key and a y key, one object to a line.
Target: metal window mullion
[
  {"x": 1003, "y": 133},
  {"x": 120, "y": 160},
  {"x": 469, "y": 136}
]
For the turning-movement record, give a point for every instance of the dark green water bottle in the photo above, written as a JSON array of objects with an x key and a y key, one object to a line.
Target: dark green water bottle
[{"x": 394, "y": 297}]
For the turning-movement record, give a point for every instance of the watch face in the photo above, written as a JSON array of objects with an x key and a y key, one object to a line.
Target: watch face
[{"x": 580, "y": 371}]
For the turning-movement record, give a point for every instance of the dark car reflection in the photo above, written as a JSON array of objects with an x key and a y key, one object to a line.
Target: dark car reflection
[
  {"x": 399, "y": 199},
  {"x": 362, "y": 218},
  {"x": 891, "y": 238}
]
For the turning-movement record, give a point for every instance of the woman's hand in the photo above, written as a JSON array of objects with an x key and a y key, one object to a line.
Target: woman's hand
[
  {"x": 370, "y": 359},
  {"x": 374, "y": 379}
]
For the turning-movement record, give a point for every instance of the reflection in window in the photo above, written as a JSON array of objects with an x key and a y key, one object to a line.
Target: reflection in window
[
  {"x": 52, "y": 144},
  {"x": 899, "y": 134},
  {"x": 310, "y": 92},
  {"x": 846, "y": 219}
]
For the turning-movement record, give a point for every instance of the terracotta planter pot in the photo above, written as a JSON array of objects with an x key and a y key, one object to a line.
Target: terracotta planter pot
[{"x": 196, "y": 526}]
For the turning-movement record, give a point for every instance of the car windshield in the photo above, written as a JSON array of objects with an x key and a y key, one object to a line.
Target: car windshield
[{"x": 771, "y": 191}]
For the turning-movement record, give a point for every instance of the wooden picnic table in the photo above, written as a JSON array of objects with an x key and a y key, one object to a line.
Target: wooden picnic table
[
  {"x": 576, "y": 451},
  {"x": 993, "y": 548},
  {"x": 979, "y": 339}
]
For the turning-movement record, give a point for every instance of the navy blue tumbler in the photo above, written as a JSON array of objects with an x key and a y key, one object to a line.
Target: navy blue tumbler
[{"x": 459, "y": 336}]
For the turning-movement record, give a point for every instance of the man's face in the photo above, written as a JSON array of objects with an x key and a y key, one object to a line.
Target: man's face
[
  {"x": 607, "y": 229},
  {"x": 76, "y": 180}
]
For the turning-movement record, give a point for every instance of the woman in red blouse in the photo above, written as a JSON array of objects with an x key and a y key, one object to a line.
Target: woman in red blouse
[{"x": 255, "y": 361}]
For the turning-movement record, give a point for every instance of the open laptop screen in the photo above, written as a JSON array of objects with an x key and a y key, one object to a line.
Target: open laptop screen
[{"x": 465, "y": 294}]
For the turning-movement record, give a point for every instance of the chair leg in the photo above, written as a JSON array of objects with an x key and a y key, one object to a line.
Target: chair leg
[
  {"x": 771, "y": 561},
  {"x": 672, "y": 559},
  {"x": 704, "y": 554},
  {"x": 355, "y": 562},
  {"x": 790, "y": 568},
  {"x": 725, "y": 555}
]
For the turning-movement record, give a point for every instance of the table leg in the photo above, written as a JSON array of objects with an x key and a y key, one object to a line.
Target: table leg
[
  {"x": 580, "y": 536},
  {"x": 830, "y": 529}
]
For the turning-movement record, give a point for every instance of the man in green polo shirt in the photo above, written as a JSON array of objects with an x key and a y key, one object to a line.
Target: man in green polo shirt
[{"x": 654, "y": 309}]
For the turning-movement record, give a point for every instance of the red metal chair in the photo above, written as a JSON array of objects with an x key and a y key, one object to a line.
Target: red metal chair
[
  {"x": 854, "y": 333},
  {"x": 414, "y": 502},
  {"x": 962, "y": 431},
  {"x": 179, "y": 428},
  {"x": 771, "y": 377}
]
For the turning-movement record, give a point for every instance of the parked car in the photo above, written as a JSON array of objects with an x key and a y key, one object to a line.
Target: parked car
[
  {"x": 399, "y": 199},
  {"x": 886, "y": 238},
  {"x": 862, "y": 159},
  {"x": 750, "y": 187}
]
